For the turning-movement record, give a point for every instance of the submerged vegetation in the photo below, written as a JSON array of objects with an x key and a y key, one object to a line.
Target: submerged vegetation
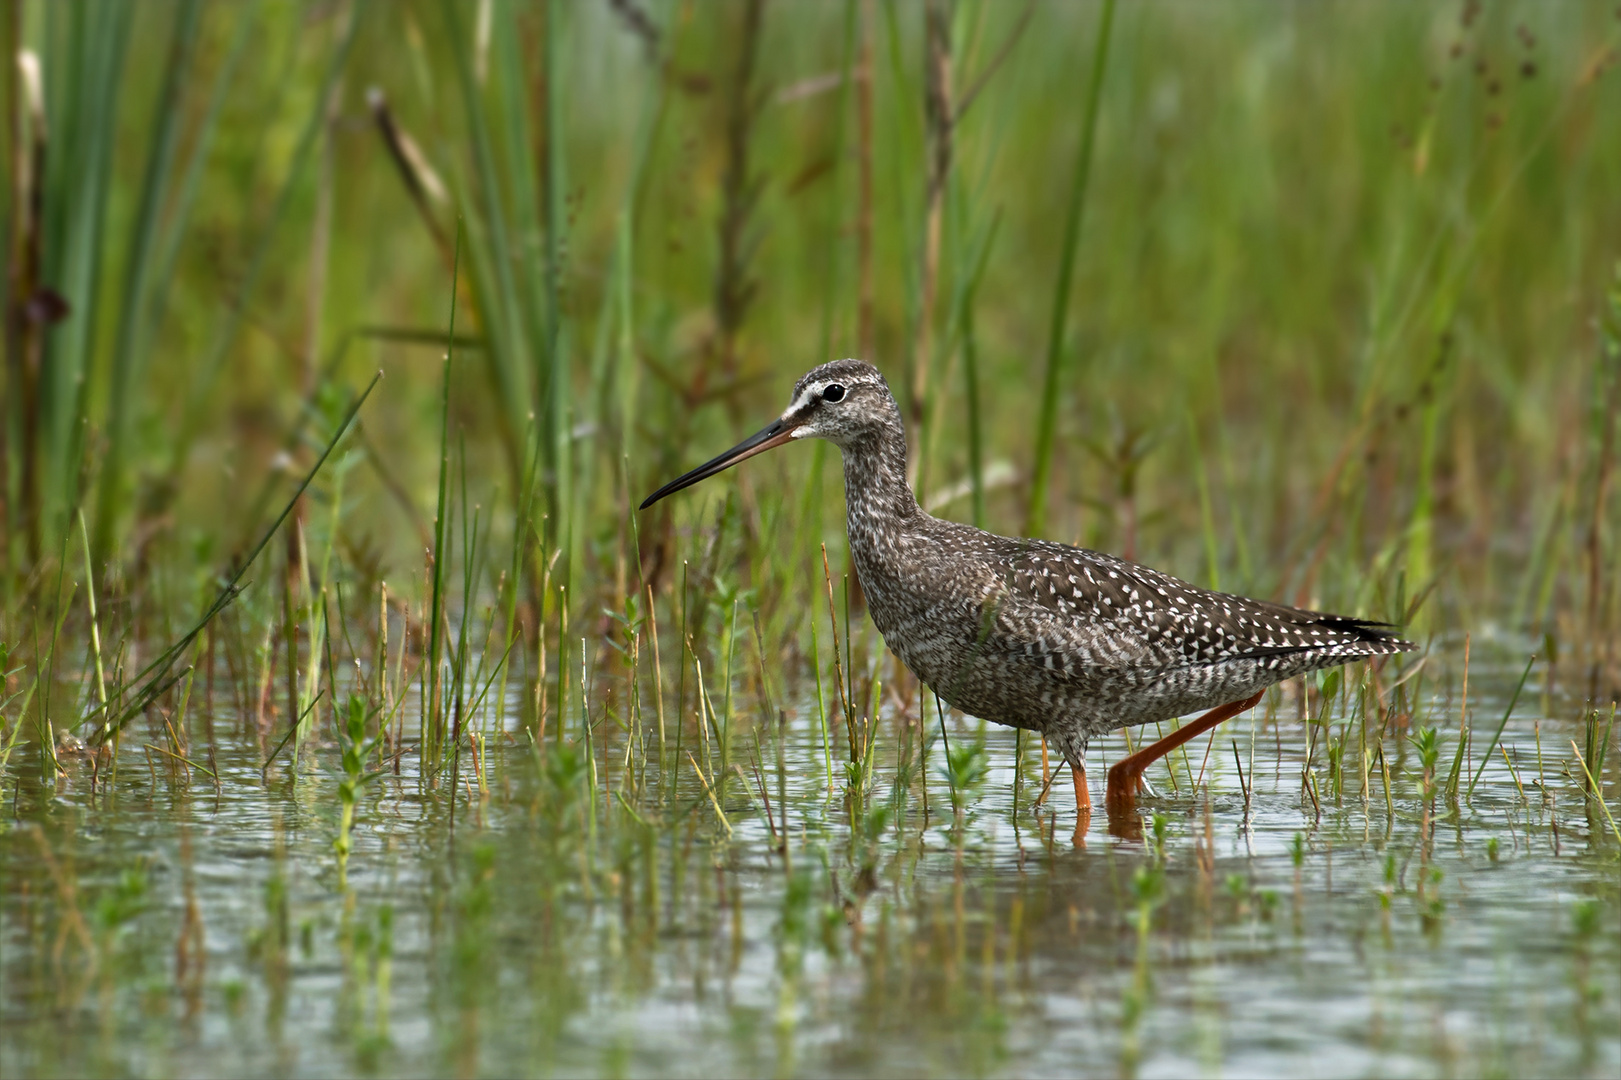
[{"x": 352, "y": 720}]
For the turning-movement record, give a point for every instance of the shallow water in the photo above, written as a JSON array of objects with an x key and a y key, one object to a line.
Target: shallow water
[{"x": 152, "y": 926}]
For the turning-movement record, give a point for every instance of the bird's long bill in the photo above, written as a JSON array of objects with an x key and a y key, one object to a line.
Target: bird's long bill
[{"x": 774, "y": 434}]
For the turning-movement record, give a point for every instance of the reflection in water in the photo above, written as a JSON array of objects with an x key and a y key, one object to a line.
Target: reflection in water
[{"x": 595, "y": 915}]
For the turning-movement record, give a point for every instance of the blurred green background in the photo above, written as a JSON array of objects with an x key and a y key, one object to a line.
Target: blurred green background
[{"x": 1340, "y": 327}]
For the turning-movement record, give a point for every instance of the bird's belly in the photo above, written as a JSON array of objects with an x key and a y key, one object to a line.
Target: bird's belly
[
  {"x": 1197, "y": 688},
  {"x": 1189, "y": 689},
  {"x": 983, "y": 684}
]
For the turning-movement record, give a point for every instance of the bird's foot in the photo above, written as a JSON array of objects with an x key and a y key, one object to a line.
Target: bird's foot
[
  {"x": 1125, "y": 780},
  {"x": 1126, "y": 775}
]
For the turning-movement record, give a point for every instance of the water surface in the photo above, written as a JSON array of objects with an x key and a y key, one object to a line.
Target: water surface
[{"x": 153, "y": 925}]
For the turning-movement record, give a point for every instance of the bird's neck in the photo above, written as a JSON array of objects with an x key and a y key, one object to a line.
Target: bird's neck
[{"x": 876, "y": 495}]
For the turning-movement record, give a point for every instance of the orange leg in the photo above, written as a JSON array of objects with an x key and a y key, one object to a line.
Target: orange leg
[
  {"x": 1127, "y": 773},
  {"x": 1083, "y": 807}
]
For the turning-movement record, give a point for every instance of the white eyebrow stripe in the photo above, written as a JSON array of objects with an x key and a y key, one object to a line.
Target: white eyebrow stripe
[{"x": 805, "y": 397}]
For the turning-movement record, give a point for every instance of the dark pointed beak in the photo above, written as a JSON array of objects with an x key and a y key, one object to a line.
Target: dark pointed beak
[{"x": 773, "y": 434}]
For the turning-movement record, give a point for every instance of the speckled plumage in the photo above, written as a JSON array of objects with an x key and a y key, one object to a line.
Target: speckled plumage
[{"x": 1034, "y": 634}]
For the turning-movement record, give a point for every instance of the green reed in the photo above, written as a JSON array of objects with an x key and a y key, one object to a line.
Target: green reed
[
  {"x": 535, "y": 260},
  {"x": 1057, "y": 330}
]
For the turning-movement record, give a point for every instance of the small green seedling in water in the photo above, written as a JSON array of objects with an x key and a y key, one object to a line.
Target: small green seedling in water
[
  {"x": 1434, "y": 906},
  {"x": 855, "y": 775},
  {"x": 268, "y": 943},
  {"x": 874, "y": 822},
  {"x": 1491, "y": 849},
  {"x": 565, "y": 766},
  {"x": 121, "y": 903},
  {"x": 965, "y": 769},
  {"x": 1427, "y": 742},
  {"x": 1584, "y": 919},
  {"x": 356, "y": 749},
  {"x": 1146, "y": 885},
  {"x": 1297, "y": 855}
]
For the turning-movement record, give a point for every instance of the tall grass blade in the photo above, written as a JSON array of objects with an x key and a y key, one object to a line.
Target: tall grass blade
[
  {"x": 133, "y": 318},
  {"x": 432, "y": 713},
  {"x": 491, "y": 262},
  {"x": 1507, "y": 712},
  {"x": 1047, "y": 426},
  {"x": 85, "y": 48},
  {"x": 154, "y": 672},
  {"x": 201, "y": 385}
]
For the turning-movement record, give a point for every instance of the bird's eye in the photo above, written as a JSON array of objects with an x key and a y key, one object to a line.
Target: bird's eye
[{"x": 833, "y": 393}]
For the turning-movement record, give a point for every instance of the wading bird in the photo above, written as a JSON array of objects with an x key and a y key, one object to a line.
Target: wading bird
[{"x": 1054, "y": 639}]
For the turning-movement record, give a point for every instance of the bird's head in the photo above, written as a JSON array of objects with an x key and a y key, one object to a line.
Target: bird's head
[{"x": 845, "y": 402}]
